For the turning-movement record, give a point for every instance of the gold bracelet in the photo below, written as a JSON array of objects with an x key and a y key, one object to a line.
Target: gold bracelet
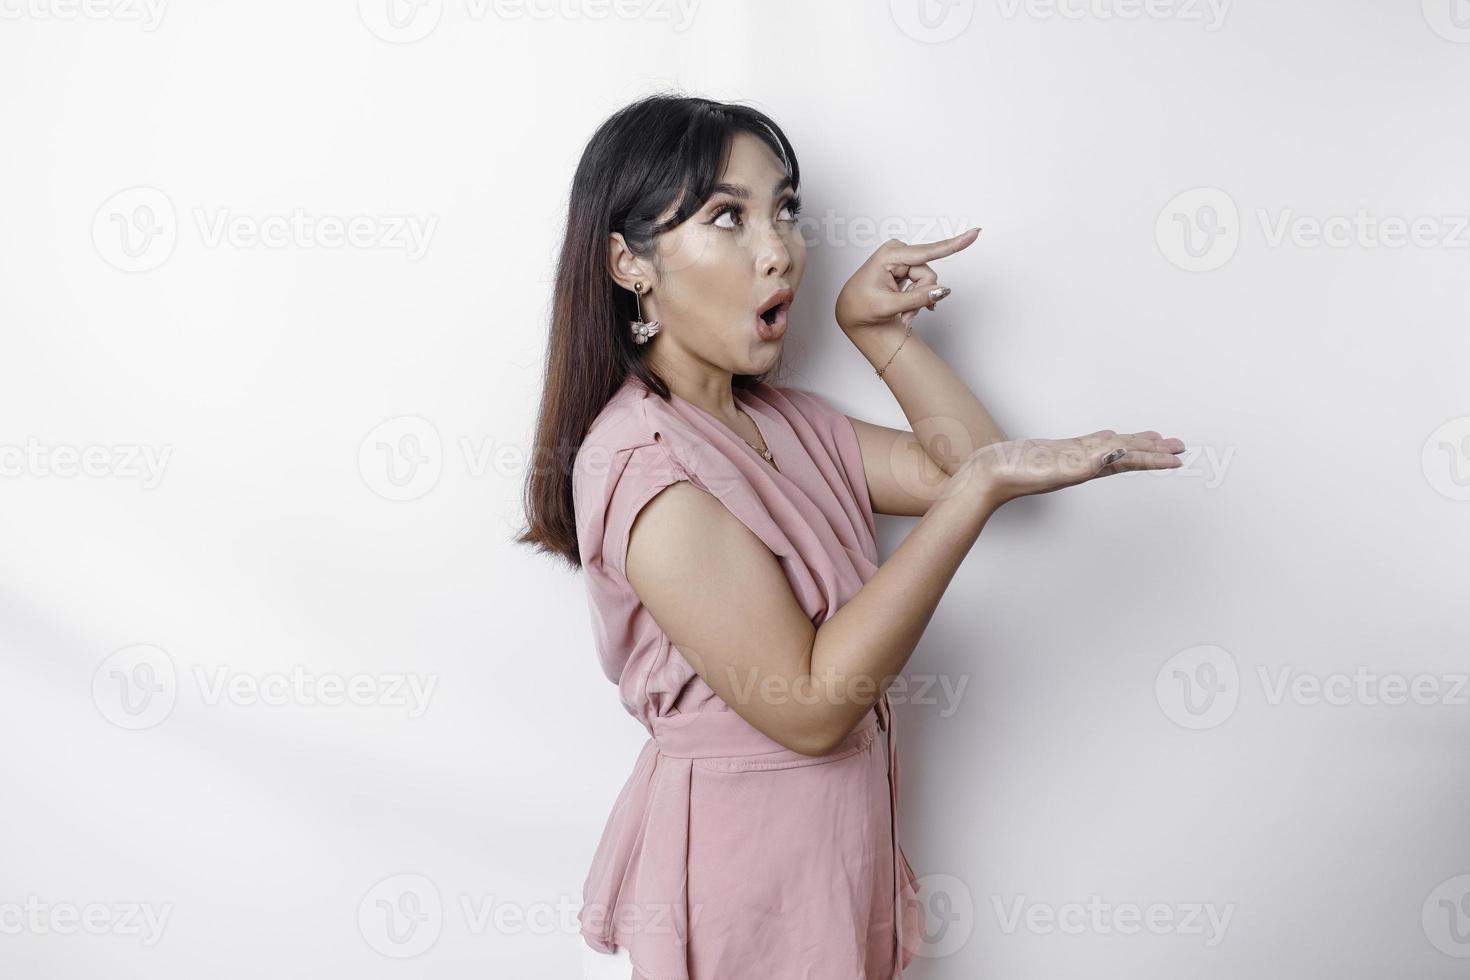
[{"x": 879, "y": 371}]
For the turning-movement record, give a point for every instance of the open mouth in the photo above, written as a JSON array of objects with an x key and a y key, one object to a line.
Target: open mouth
[{"x": 770, "y": 323}]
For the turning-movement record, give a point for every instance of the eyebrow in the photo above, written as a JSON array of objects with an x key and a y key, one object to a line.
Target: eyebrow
[{"x": 736, "y": 190}]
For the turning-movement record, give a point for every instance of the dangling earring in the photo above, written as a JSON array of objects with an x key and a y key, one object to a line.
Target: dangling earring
[{"x": 642, "y": 330}]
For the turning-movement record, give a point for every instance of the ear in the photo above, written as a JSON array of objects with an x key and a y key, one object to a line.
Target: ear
[{"x": 627, "y": 268}]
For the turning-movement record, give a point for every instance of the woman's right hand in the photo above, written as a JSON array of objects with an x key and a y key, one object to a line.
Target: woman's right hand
[{"x": 1006, "y": 470}]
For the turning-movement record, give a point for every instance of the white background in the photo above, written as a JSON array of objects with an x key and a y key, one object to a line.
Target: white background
[{"x": 1318, "y": 530}]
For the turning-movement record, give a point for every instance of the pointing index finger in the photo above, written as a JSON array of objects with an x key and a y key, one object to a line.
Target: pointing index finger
[{"x": 920, "y": 254}]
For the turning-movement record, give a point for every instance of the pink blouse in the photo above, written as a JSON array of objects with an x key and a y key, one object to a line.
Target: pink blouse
[{"x": 727, "y": 856}]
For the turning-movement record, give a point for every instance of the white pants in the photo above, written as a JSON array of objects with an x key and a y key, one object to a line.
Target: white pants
[{"x": 606, "y": 966}]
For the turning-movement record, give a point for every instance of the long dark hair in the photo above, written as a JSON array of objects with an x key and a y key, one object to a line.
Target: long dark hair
[{"x": 660, "y": 150}]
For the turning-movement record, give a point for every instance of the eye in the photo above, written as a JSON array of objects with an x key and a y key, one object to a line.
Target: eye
[
  {"x": 734, "y": 210},
  {"x": 792, "y": 205}
]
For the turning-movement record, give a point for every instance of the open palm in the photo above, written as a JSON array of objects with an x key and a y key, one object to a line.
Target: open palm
[{"x": 1029, "y": 466}]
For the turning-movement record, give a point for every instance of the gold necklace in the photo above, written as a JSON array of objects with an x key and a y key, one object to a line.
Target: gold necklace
[{"x": 765, "y": 453}]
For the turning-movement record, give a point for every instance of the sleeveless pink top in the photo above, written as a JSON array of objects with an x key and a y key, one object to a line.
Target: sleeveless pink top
[{"x": 727, "y": 856}]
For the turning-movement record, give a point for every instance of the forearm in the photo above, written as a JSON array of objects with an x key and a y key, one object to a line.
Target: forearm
[
  {"x": 858, "y": 651},
  {"x": 944, "y": 414}
]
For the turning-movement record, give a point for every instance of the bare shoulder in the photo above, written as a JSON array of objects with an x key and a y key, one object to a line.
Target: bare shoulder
[
  {"x": 724, "y": 601},
  {"x": 684, "y": 529}
]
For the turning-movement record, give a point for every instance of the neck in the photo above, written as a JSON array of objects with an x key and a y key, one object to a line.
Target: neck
[{"x": 699, "y": 383}]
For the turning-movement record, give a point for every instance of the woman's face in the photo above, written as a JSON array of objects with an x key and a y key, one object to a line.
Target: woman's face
[{"x": 727, "y": 262}]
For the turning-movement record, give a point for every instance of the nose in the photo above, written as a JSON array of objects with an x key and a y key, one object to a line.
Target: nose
[{"x": 773, "y": 257}]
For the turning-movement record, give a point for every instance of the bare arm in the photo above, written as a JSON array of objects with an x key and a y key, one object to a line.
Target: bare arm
[
  {"x": 902, "y": 478},
  {"x": 724, "y": 600},
  {"x": 906, "y": 469},
  {"x": 948, "y": 422}
]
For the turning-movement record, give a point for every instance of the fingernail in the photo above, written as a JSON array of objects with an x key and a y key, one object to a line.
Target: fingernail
[
  {"x": 938, "y": 293},
  {"x": 1113, "y": 457}
]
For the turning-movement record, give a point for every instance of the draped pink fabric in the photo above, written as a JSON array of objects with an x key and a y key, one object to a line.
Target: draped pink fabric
[{"x": 727, "y": 856}]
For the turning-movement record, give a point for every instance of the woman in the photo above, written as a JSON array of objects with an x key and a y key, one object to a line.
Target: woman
[{"x": 725, "y": 529}]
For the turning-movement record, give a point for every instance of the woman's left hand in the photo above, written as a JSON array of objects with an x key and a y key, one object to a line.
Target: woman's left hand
[{"x": 876, "y": 295}]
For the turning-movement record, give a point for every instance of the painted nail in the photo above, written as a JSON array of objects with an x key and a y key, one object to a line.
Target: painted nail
[
  {"x": 1113, "y": 457},
  {"x": 938, "y": 293}
]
